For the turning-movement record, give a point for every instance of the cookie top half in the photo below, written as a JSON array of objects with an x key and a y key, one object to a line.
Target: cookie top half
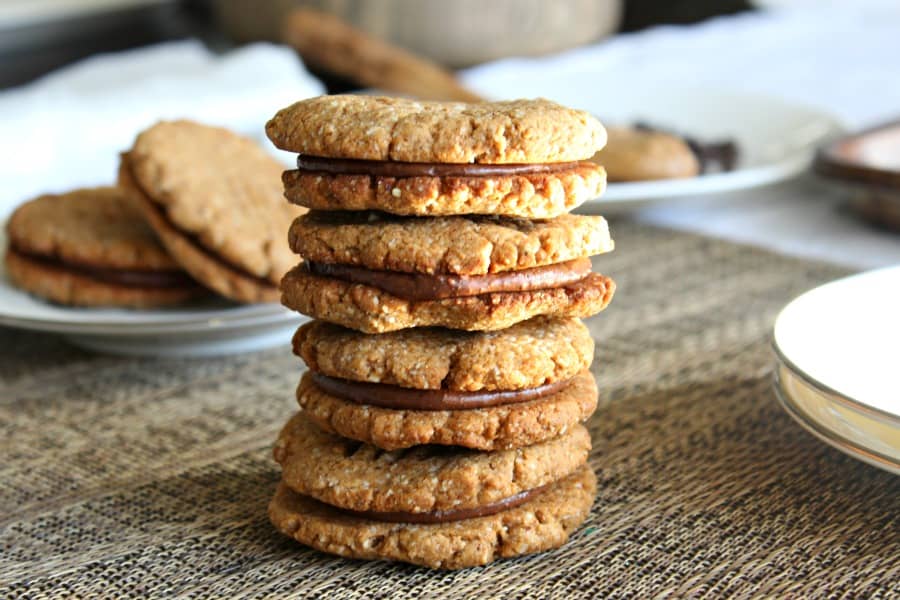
[
  {"x": 93, "y": 227},
  {"x": 528, "y": 354},
  {"x": 399, "y": 129}
]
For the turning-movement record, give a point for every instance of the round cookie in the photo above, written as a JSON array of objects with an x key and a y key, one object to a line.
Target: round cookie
[
  {"x": 91, "y": 247},
  {"x": 461, "y": 245},
  {"x": 543, "y": 522},
  {"x": 535, "y": 196},
  {"x": 400, "y": 129},
  {"x": 529, "y": 354},
  {"x": 641, "y": 155},
  {"x": 361, "y": 477},
  {"x": 372, "y": 310},
  {"x": 490, "y": 428},
  {"x": 215, "y": 200}
]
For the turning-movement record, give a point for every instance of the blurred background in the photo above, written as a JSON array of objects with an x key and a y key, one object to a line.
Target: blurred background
[
  {"x": 37, "y": 36},
  {"x": 771, "y": 81}
]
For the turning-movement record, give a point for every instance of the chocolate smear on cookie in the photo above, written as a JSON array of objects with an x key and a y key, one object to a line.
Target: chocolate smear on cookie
[
  {"x": 400, "y": 398},
  {"x": 125, "y": 277},
  {"x": 387, "y": 168},
  {"x": 423, "y": 287}
]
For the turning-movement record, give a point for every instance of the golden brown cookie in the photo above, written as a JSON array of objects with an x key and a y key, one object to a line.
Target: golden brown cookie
[
  {"x": 361, "y": 477},
  {"x": 536, "y": 196},
  {"x": 91, "y": 247},
  {"x": 463, "y": 245},
  {"x": 399, "y": 129},
  {"x": 544, "y": 521},
  {"x": 531, "y": 353},
  {"x": 490, "y": 428},
  {"x": 640, "y": 155},
  {"x": 215, "y": 200},
  {"x": 372, "y": 310}
]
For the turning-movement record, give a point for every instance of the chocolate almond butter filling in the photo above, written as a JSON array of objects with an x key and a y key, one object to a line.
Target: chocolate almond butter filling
[
  {"x": 387, "y": 168},
  {"x": 400, "y": 398},
  {"x": 420, "y": 286},
  {"x": 125, "y": 277},
  {"x": 446, "y": 516}
]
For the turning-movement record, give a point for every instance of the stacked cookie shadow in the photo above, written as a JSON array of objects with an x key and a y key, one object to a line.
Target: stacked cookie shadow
[{"x": 448, "y": 377}]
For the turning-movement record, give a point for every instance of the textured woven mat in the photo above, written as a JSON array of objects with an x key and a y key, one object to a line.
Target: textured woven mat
[{"x": 151, "y": 477}]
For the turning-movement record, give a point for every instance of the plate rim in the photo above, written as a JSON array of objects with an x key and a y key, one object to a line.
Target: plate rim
[
  {"x": 890, "y": 418},
  {"x": 848, "y": 400},
  {"x": 835, "y": 440}
]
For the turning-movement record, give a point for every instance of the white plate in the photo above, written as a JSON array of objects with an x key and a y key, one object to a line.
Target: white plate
[
  {"x": 206, "y": 328},
  {"x": 776, "y": 139},
  {"x": 838, "y": 349}
]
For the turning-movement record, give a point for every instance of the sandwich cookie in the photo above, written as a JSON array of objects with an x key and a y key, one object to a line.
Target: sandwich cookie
[
  {"x": 91, "y": 247},
  {"x": 214, "y": 198},
  {"x": 488, "y": 391},
  {"x": 378, "y": 273},
  {"x": 532, "y": 522},
  {"x": 524, "y": 158},
  {"x": 421, "y": 484}
]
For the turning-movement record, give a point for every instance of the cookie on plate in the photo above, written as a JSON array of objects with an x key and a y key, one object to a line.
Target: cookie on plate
[
  {"x": 523, "y": 158},
  {"x": 214, "y": 198},
  {"x": 377, "y": 273},
  {"x": 633, "y": 154},
  {"x": 91, "y": 247},
  {"x": 486, "y": 390}
]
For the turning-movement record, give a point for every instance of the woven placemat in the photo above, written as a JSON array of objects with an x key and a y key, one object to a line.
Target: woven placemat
[{"x": 139, "y": 477}]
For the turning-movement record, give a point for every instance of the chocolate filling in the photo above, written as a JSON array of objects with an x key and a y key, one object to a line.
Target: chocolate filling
[
  {"x": 388, "y": 168},
  {"x": 420, "y": 286},
  {"x": 400, "y": 398},
  {"x": 125, "y": 277},
  {"x": 446, "y": 516}
]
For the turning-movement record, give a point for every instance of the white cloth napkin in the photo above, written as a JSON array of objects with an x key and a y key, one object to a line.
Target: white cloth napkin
[{"x": 66, "y": 129}]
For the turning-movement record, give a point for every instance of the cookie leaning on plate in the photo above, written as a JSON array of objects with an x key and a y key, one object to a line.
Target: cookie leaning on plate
[
  {"x": 215, "y": 200},
  {"x": 486, "y": 390},
  {"x": 91, "y": 247},
  {"x": 524, "y": 158},
  {"x": 378, "y": 273}
]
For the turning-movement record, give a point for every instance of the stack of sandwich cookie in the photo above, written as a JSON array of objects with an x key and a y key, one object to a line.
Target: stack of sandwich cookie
[{"x": 448, "y": 374}]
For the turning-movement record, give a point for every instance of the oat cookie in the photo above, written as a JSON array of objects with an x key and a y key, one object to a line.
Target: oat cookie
[
  {"x": 398, "y": 129},
  {"x": 91, "y": 247},
  {"x": 361, "y": 477},
  {"x": 491, "y": 428},
  {"x": 529, "y": 354},
  {"x": 639, "y": 155},
  {"x": 453, "y": 245},
  {"x": 372, "y": 310},
  {"x": 215, "y": 199},
  {"x": 543, "y": 522},
  {"x": 536, "y": 196}
]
